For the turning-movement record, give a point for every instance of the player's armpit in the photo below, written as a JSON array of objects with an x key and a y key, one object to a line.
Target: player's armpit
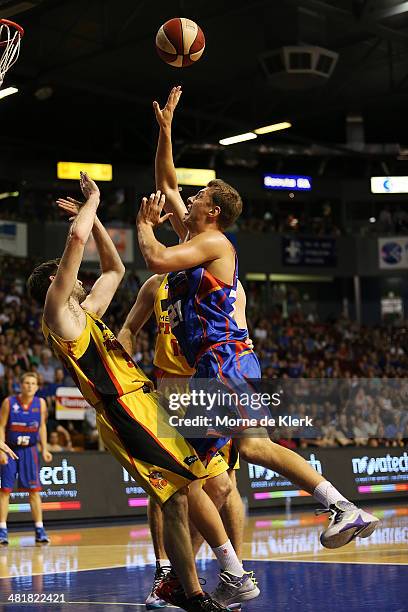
[{"x": 102, "y": 292}]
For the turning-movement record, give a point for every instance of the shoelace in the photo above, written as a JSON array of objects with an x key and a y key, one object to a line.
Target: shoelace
[
  {"x": 251, "y": 575},
  {"x": 161, "y": 573},
  {"x": 320, "y": 511},
  {"x": 336, "y": 512}
]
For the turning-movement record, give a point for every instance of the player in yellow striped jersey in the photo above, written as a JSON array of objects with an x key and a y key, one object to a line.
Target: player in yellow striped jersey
[
  {"x": 171, "y": 366},
  {"x": 129, "y": 415}
]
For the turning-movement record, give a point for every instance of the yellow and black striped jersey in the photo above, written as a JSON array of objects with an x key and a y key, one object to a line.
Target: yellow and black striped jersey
[
  {"x": 97, "y": 362},
  {"x": 167, "y": 355}
]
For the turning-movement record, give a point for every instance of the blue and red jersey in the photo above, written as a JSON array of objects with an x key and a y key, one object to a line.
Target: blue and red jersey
[
  {"x": 23, "y": 423},
  {"x": 201, "y": 311}
]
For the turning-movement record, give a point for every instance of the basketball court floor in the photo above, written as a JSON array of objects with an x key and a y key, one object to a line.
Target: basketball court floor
[{"x": 111, "y": 568}]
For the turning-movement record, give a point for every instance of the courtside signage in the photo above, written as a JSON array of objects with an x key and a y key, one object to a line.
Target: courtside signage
[
  {"x": 389, "y": 184},
  {"x": 71, "y": 170},
  {"x": 197, "y": 177},
  {"x": 291, "y": 182}
]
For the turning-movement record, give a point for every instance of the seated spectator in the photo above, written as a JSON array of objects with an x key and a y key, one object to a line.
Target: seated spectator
[
  {"x": 360, "y": 432},
  {"x": 54, "y": 445},
  {"x": 46, "y": 369}
]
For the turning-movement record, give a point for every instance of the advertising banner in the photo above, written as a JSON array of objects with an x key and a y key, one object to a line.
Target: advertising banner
[
  {"x": 122, "y": 239},
  {"x": 393, "y": 253},
  {"x": 309, "y": 252},
  {"x": 94, "y": 484},
  {"x": 70, "y": 404},
  {"x": 13, "y": 238},
  {"x": 359, "y": 473},
  {"x": 82, "y": 485}
]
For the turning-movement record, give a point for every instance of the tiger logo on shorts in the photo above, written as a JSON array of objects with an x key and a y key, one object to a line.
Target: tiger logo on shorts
[{"x": 157, "y": 480}]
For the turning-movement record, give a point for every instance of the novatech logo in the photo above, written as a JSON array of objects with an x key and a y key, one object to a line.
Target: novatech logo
[
  {"x": 372, "y": 465},
  {"x": 257, "y": 472},
  {"x": 58, "y": 475}
]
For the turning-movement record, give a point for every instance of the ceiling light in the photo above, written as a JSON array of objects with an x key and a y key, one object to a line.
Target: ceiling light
[
  {"x": 275, "y": 127},
  {"x": 8, "y": 92},
  {"x": 9, "y": 194},
  {"x": 238, "y": 138}
]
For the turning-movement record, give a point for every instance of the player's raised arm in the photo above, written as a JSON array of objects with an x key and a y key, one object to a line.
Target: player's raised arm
[
  {"x": 65, "y": 278},
  {"x": 202, "y": 248},
  {"x": 166, "y": 178},
  {"x": 140, "y": 313},
  {"x": 111, "y": 264}
]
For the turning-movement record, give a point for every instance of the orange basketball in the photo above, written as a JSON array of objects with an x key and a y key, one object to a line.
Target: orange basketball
[{"x": 180, "y": 42}]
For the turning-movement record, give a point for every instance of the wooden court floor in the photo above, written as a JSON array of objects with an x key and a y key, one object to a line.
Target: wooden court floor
[{"x": 111, "y": 567}]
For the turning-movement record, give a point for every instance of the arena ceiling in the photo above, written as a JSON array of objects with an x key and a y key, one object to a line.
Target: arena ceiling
[{"x": 98, "y": 59}]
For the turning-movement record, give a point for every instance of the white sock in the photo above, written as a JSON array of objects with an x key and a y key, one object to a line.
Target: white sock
[
  {"x": 326, "y": 494},
  {"x": 3, "y": 525},
  {"x": 163, "y": 562},
  {"x": 38, "y": 524},
  {"x": 228, "y": 560}
]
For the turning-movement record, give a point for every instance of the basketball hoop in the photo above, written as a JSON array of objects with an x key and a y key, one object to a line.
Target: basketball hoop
[{"x": 10, "y": 38}]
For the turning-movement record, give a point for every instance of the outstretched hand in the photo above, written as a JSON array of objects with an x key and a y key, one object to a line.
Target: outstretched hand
[
  {"x": 88, "y": 186},
  {"x": 70, "y": 206},
  {"x": 151, "y": 209},
  {"x": 164, "y": 115},
  {"x": 7, "y": 450}
]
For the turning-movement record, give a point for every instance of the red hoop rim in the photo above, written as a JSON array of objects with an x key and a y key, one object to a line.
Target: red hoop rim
[{"x": 13, "y": 24}]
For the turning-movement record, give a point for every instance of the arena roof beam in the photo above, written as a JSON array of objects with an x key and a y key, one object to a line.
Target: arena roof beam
[
  {"x": 392, "y": 11},
  {"x": 348, "y": 17},
  {"x": 9, "y": 8}
]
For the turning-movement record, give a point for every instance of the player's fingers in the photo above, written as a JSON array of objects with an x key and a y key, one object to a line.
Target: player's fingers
[
  {"x": 157, "y": 197},
  {"x": 9, "y": 452},
  {"x": 66, "y": 205},
  {"x": 162, "y": 201}
]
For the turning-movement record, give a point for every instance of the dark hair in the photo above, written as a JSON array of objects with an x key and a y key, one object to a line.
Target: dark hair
[
  {"x": 39, "y": 281},
  {"x": 229, "y": 201}
]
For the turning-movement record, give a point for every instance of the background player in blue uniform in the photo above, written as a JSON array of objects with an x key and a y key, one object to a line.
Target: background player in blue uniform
[
  {"x": 22, "y": 425},
  {"x": 202, "y": 297}
]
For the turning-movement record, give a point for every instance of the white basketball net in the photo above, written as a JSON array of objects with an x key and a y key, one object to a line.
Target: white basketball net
[{"x": 10, "y": 40}]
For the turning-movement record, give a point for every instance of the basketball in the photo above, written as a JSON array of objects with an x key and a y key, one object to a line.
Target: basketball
[{"x": 180, "y": 42}]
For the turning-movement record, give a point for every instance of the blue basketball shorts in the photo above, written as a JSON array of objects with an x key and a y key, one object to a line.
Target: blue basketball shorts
[
  {"x": 232, "y": 368},
  {"x": 25, "y": 470}
]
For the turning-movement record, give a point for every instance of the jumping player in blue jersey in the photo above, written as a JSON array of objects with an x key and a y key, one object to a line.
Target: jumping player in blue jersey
[
  {"x": 22, "y": 425},
  {"x": 202, "y": 293}
]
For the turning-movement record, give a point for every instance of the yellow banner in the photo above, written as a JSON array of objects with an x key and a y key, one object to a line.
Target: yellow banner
[
  {"x": 71, "y": 170},
  {"x": 198, "y": 177}
]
